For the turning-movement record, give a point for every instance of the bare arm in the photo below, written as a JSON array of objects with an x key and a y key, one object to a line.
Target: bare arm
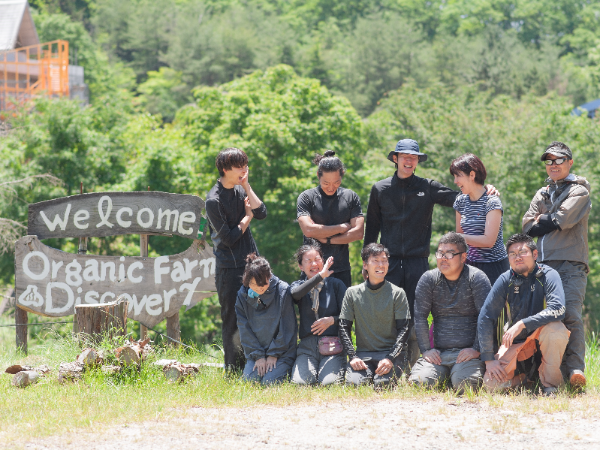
[
  {"x": 355, "y": 233},
  {"x": 492, "y": 228},
  {"x": 314, "y": 230}
]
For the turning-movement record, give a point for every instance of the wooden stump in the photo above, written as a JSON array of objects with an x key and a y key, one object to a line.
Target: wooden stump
[
  {"x": 21, "y": 329},
  {"x": 180, "y": 372},
  {"x": 134, "y": 352},
  {"x": 90, "y": 357},
  {"x": 25, "y": 378},
  {"x": 70, "y": 371},
  {"x": 173, "y": 330},
  {"x": 102, "y": 318}
]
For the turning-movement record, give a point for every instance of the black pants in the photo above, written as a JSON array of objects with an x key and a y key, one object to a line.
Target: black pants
[
  {"x": 493, "y": 270},
  {"x": 406, "y": 273},
  {"x": 345, "y": 277},
  {"x": 229, "y": 282}
]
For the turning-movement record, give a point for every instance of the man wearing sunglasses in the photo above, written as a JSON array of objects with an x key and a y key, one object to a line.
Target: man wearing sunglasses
[
  {"x": 558, "y": 217},
  {"x": 454, "y": 294}
]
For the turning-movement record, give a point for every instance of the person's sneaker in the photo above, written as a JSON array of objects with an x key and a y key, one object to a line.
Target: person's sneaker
[
  {"x": 577, "y": 379},
  {"x": 550, "y": 391}
]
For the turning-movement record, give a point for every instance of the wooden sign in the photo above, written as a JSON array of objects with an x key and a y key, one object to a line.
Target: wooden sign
[
  {"x": 115, "y": 213},
  {"x": 51, "y": 282}
]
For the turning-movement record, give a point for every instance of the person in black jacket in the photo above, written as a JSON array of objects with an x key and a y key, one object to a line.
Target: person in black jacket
[
  {"x": 230, "y": 207},
  {"x": 535, "y": 301},
  {"x": 401, "y": 208},
  {"x": 319, "y": 299}
]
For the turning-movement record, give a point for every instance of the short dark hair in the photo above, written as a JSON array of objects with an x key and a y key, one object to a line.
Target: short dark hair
[
  {"x": 468, "y": 163},
  {"x": 257, "y": 269},
  {"x": 328, "y": 162},
  {"x": 373, "y": 249},
  {"x": 230, "y": 157},
  {"x": 455, "y": 239},
  {"x": 311, "y": 244},
  {"x": 520, "y": 237},
  {"x": 561, "y": 146}
]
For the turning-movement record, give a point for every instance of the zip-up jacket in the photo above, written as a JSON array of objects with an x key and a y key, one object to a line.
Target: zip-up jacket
[
  {"x": 267, "y": 324},
  {"x": 401, "y": 209},
  {"x": 562, "y": 229},
  {"x": 537, "y": 300}
]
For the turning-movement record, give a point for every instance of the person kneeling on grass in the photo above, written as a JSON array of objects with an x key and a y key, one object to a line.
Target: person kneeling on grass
[
  {"x": 535, "y": 303},
  {"x": 381, "y": 315},
  {"x": 319, "y": 298},
  {"x": 454, "y": 294},
  {"x": 267, "y": 323}
]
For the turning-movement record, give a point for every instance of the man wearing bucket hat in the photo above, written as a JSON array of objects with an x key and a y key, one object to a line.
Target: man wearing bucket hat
[
  {"x": 401, "y": 209},
  {"x": 558, "y": 217}
]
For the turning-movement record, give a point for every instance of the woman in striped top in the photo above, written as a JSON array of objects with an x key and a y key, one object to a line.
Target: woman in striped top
[{"x": 479, "y": 217}]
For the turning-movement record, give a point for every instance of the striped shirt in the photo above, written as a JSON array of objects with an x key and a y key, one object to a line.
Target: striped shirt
[{"x": 472, "y": 221}]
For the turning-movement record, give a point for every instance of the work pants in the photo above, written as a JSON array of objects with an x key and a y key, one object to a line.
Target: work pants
[
  {"x": 229, "y": 282},
  {"x": 313, "y": 368},
  {"x": 278, "y": 375},
  {"x": 368, "y": 376}
]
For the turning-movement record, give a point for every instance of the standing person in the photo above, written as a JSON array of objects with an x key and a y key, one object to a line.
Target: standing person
[
  {"x": 230, "y": 207},
  {"x": 331, "y": 214},
  {"x": 401, "y": 208},
  {"x": 267, "y": 323},
  {"x": 558, "y": 217},
  {"x": 536, "y": 307},
  {"x": 319, "y": 298},
  {"x": 380, "y": 314},
  {"x": 479, "y": 217},
  {"x": 453, "y": 294}
]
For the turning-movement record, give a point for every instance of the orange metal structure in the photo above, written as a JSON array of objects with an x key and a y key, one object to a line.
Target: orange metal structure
[{"x": 26, "y": 72}]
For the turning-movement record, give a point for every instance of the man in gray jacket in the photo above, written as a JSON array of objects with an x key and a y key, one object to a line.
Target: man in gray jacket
[{"x": 558, "y": 217}]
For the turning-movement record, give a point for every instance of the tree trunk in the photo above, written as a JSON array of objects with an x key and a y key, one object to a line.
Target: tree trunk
[
  {"x": 21, "y": 327},
  {"x": 102, "y": 319},
  {"x": 173, "y": 330}
]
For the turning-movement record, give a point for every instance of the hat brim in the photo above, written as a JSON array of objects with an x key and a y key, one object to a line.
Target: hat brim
[
  {"x": 422, "y": 156},
  {"x": 557, "y": 154}
]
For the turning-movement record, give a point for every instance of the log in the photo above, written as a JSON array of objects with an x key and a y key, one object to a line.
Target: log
[
  {"x": 16, "y": 368},
  {"x": 25, "y": 378},
  {"x": 21, "y": 329},
  {"x": 173, "y": 330},
  {"x": 90, "y": 357},
  {"x": 102, "y": 319},
  {"x": 163, "y": 362},
  {"x": 111, "y": 370},
  {"x": 133, "y": 352},
  {"x": 179, "y": 372},
  {"x": 70, "y": 371}
]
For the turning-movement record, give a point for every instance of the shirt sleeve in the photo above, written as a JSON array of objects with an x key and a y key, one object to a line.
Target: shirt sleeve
[
  {"x": 401, "y": 310},
  {"x": 373, "y": 225},
  {"x": 304, "y": 205},
  {"x": 423, "y": 304},
  {"x": 555, "y": 303},
  {"x": 252, "y": 348},
  {"x": 535, "y": 209},
  {"x": 486, "y": 323},
  {"x": 492, "y": 204},
  {"x": 347, "y": 312},
  {"x": 261, "y": 212},
  {"x": 458, "y": 204},
  {"x": 442, "y": 195},
  {"x": 217, "y": 216},
  {"x": 356, "y": 210},
  {"x": 573, "y": 209},
  {"x": 481, "y": 288}
]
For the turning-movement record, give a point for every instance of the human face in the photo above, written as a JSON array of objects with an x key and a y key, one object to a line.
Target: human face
[
  {"x": 260, "y": 290},
  {"x": 407, "y": 164},
  {"x": 236, "y": 175},
  {"x": 451, "y": 268},
  {"x": 312, "y": 263},
  {"x": 377, "y": 267},
  {"x": 558, "y": 171},
  {"x": 521, "y": 258},
  {"x": 465, "y": 182},
  {"x": 330, "y": 182}
]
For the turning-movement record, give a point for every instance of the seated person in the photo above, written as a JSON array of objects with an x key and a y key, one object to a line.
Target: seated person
[
  {"x": 319, "y": 298},
  {"x": 381, "y": 315},
  {"x": 535, "y": 302},
  {"x": 454, "y": 294},
  {"x": 267, "y": 323}
]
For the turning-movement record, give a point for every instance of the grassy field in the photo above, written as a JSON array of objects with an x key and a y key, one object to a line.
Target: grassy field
[{"x": 50, "y": 408}]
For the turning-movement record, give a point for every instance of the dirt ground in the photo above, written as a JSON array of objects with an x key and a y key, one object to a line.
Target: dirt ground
[{"x": 385, "y": 423}]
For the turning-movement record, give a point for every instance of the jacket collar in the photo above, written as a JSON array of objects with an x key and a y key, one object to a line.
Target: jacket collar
[
  {"x": 402, "y": 182},
  {"x": 264, "y": 300}
]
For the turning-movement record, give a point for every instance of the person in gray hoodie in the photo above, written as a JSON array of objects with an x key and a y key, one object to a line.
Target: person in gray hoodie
[
  {"x": 558, "y": 217},
  {"x": 267, "y": 323}
]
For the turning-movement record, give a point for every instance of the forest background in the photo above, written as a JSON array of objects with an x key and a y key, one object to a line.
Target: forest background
[{"x": 172, "y": 82}]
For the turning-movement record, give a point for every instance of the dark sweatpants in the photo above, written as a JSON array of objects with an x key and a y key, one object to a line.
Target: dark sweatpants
[
  {"x": 229, "y": 282},
  {"x": 345, "y": 277},
  {"x": 406, "y": 273}
]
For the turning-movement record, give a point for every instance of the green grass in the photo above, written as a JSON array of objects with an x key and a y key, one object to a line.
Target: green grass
[{"x": 49, "y": 408}]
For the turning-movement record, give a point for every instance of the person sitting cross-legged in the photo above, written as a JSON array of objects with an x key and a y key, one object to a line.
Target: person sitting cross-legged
[
  {"x": 454, "y": 294},
  {"x": 535, "y": 302},
  {"x": 381, "y": 315}
]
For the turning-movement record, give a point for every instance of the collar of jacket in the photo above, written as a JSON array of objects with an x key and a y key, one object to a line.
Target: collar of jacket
[
  {"x": 537, "y": 272},
  {"x": 264, "y": 300},
  {"x": 402, "y": 182},
  {"x": 571, "y": 178}
]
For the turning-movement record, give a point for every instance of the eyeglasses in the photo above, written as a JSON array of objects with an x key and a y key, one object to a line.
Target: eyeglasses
[
  {"x": 521, "y": 254},
  {"x": 557, "y": 161},
  {"x": 447, "y": 255},
  {"x": 317, "y": 260}
]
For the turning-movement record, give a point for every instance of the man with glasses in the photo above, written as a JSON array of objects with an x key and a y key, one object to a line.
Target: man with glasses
[
  {"x": 558, "y": 217},
  {"x": 454, "y": 294},
  {"x": 535, "y": 305}
]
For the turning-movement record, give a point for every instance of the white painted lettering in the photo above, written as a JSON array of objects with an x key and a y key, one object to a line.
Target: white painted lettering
[
  {"x": 104, "y": 266},
  {"x": 62, "y": 223},
  {"x": 189, "y": 265},
  {"x": 120, "y": 221},
  {"x": 178, "y": 273},
  {"x": 209, "y": 266},
  {"x": 132, "y": 267},
  {"x": 147, "y": 224},
  {"x": 36, "y": 276},
  {"x": 152, "y": 301},
  {"x": 73, "y": 273},
  {"x": 49, "y": 300},
  {"x": 191, "y": 287},
  {"x": 55, "y": 266},
  {"x": 91, "y": 297},
  {"x": 31, "y": 297},
  {"x": 159, "y": 271},
  {"x": 106, "y": 294},
  {"x": 186, "y": 217},
  {"x": 121, "y": 269},
  {"x": 91, "y": 272},
  {"x": 168, "y": 295},
  {"x": 168, "y": 213},
  {"x": 82, "y": 214},
  {"x": 104, "y": 216}
]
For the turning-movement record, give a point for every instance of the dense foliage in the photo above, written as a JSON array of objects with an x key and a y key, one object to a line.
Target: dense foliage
[{"x": 172, "y": 82}]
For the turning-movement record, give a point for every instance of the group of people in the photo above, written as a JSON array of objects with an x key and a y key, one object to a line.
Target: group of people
[{"x": 490, "y": 314}]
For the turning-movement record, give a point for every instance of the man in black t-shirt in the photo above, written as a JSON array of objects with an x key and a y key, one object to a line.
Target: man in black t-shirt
[
  {"x": 332, "y": 215},
  {"x": 230, "y": 206}
]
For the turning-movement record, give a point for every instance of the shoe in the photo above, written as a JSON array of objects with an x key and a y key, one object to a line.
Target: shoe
[
  {"x": 550, "y": 391},
  {"x": 577, "y": 379}
]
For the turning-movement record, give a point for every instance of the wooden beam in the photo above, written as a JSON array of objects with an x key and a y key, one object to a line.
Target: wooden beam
[
  {"x": 173, "y": 330},
  {"x": 21, "y": 329},
  {"x": 143, "y": 253}
]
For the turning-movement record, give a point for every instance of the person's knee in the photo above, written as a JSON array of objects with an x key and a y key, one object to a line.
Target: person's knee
[
  {"x": 304, "y": 378},
  {"x": 460, "y": 383},
  {"x": 423, "y": 379},
  {"x": 331, "y": 378},
  {"x": 554, "y": 332}
]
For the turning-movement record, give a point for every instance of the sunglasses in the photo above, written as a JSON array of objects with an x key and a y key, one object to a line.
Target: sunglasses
[{"x": 557, "y": 161}]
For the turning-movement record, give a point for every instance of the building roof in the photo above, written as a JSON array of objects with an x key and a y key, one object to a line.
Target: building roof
[
  {"x": 16, "y": 25},
  {"x": 590, "y": 107}
]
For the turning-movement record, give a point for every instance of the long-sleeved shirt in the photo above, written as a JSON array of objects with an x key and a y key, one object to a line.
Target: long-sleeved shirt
[
  {"x": 537, "y": 300},
  {"x": 454, "y": 305},
  {"x": 330, "y": 303},
  {"x": 267, "y": 324},
  {"x": 225, "y": 210},
  {"x": 401, "y": 209}
]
